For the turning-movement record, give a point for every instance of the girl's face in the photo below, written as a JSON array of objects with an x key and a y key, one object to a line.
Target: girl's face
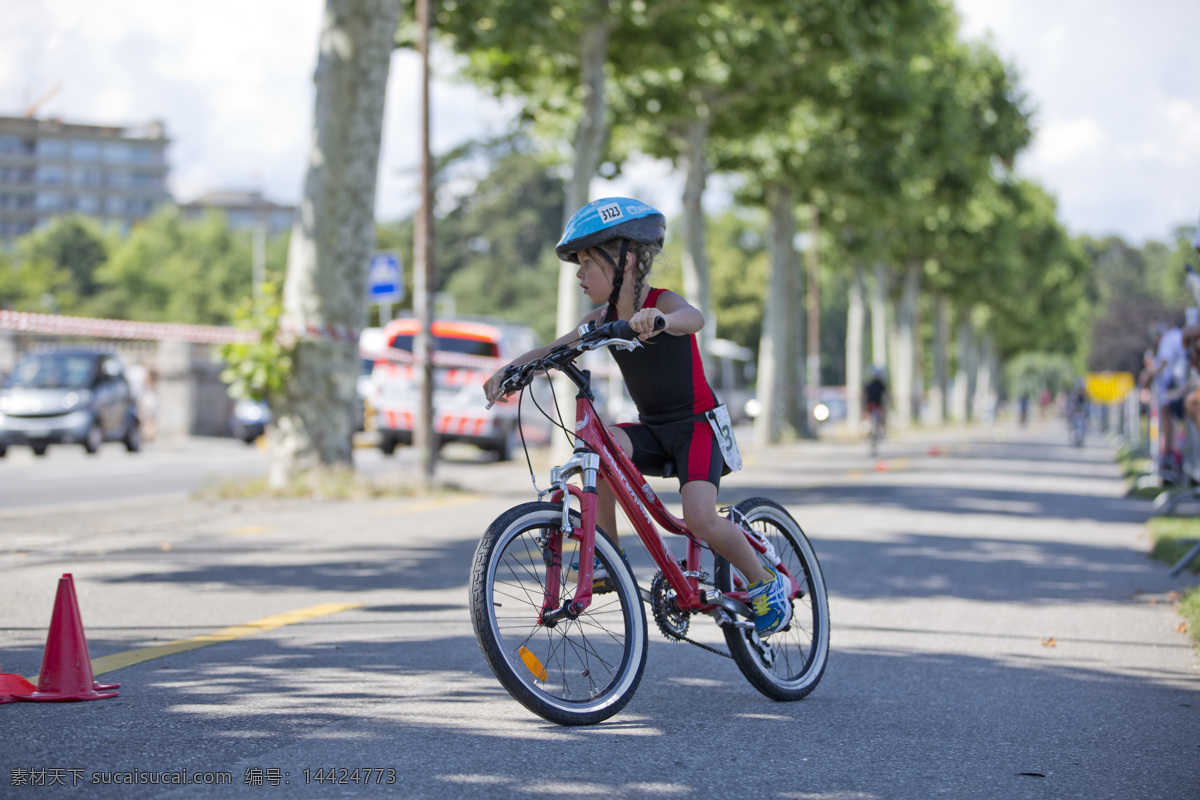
[{"x": 595, "y": 276}]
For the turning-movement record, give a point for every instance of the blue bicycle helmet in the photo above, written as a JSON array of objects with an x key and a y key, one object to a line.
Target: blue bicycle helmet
[{"x": 607, "y": 219}]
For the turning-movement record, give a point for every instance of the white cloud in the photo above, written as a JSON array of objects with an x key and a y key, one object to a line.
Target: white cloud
[
  {"x": 1060, "y": 141},
  {"x": 1116, "y": 106}
]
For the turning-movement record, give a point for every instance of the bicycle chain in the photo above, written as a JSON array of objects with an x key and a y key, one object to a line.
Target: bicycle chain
[
  {"x": 660, "y": 618},
  {"x": 703, "y": 646}
]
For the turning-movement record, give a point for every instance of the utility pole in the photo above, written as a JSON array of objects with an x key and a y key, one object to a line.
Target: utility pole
[
  {"x": 423, "y": 274},
  {"x": 814, "y": 313}
]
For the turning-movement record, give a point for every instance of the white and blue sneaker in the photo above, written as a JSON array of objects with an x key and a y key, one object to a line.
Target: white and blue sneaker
[
  {"x": 768, "y": 599},
  {"x": 602, "y": 582}
]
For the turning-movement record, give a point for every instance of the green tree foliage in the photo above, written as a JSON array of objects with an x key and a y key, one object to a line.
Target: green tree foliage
[
  {"x": 496, "y": 245},
  {"x": 54, "y": 269},
  {"x": 259, "y": 370},
  {"x": 1029, "y": 373},
  {"x": 1136, "y": 288},
  {"x": 1039, "y": 287},
  {"x": 494, "y": 238},
  {"x": 739, "y": 273},
  {"x": 172, "y": 270}
]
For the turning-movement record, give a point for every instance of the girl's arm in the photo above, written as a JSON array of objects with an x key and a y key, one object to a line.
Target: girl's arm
[
  {"x": 491, "y": 388},
  {"x": 680, "y": 316}
]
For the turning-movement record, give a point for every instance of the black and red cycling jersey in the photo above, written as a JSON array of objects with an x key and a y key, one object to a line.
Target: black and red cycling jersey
[{"x": 665, "y": 376}]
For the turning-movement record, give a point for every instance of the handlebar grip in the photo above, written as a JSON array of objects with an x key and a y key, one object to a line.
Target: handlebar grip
[
  {"x": 660, "y": 322},
  {"x": 620, "y": 329}
]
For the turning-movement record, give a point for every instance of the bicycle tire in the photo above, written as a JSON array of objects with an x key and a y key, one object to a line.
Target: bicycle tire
[
  {"x": 789, "y": 664},
  {"x": 579, "y": 671}
]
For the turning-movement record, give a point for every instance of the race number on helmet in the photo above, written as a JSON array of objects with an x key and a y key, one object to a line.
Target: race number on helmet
[{"x": 607, "y": 219}]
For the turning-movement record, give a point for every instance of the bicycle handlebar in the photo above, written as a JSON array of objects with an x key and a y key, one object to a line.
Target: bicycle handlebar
[{"x": 617, "y": 333}]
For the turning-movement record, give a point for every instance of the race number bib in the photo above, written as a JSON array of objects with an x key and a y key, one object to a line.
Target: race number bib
[{"x": 718, "y": 418}]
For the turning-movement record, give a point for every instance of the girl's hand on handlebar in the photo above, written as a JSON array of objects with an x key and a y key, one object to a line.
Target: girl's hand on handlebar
[
  {"x": 491, "y": 389},
  {"x": 648, "y": 322}
]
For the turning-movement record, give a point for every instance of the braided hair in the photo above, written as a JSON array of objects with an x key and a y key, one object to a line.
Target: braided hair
[{"x": 644, "y": 261}]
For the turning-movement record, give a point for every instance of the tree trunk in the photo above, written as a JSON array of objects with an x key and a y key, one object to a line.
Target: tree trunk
[
  {"x": 879, "y": 338},
  {"x": 855, "y": 324},
  {"x": 780, "y": 381},
  {"x": 905, "y": 347},
  {"x": 985, "y": 385},
  {"x": 964, "y": 374},
  {"x": 697, "y": 283},
  {"x": 940, "y": 395},
  {"x": 325, "y": 292},
  {"x": 589, "y": 143}
]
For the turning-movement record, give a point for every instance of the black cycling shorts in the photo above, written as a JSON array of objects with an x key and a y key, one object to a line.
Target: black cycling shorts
[{"x": 689, "y": 445}]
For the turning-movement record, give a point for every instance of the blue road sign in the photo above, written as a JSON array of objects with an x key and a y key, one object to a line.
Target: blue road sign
[{"x": 386, "y": 282}]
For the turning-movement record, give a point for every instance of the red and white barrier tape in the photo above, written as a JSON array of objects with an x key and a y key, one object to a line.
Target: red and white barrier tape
[
  {"x": 26, "y": 322},
  {"x": 292, "y": 332}
]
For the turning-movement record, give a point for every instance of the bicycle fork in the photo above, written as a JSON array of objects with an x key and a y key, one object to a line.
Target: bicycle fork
[{"x": 586, "y": 465}]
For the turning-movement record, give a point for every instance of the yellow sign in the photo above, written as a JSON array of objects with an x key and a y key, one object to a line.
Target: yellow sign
[{"x": 1108, "y": 387}]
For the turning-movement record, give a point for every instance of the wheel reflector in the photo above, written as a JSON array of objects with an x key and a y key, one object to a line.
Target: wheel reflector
[{"x": 532, "y": 662}]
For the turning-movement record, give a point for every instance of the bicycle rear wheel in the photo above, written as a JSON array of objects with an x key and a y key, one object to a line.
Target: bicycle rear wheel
[
  {"x": 786, "y": 665},
  {"x": 579, "y": 670}
]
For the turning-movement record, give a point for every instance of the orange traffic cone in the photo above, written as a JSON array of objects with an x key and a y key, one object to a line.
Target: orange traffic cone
[
  {"x": 10, "y": 684},
  {"x": 66, "y": 666}
]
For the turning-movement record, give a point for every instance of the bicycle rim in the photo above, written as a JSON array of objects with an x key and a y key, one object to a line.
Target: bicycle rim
[
  {"x": 580, "y": 670},
  {"x": 786, "y": 665}
]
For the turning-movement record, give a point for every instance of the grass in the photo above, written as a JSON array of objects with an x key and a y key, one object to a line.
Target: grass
[
  {"x": 1134, "y": 463},
  {"x": 1172, "y": 537},
  {"x": 330, "y": 483}
]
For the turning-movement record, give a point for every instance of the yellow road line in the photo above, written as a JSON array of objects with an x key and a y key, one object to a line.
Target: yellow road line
[
  {"x": 250, "y": 530},
  {"x": 432, "y": 505},
  {"x": 129, "y": 657}
]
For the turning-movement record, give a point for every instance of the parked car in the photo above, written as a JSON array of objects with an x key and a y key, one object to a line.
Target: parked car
[
  {"x": 70, "y": 396},
  {"x": 467, "y": 353},
  {"x": 249, "y": 420}
]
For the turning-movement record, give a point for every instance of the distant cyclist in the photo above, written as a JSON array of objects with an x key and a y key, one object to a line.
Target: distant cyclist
[
  {"x": 874, "y": 397},
  {"x": 1076, "y": 412}
]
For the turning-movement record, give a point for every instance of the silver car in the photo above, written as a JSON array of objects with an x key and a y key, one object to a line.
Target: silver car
[{"x": 76, "y": 396}]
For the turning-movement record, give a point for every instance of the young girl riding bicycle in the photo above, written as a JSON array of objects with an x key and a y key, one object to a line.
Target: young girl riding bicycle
[{"x": 615, "y": 241}]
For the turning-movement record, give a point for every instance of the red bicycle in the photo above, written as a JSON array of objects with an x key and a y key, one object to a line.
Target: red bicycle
[{"x": 572, "y": 650}]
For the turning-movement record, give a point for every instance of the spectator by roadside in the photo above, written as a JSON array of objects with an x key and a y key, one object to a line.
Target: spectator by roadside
[
  {"x": 1168, "y": 372},
  {"x": 147, "y": 403}
]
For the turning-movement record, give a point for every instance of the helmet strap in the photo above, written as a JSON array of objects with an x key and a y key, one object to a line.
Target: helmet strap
[{"x": 618, "y": 277}]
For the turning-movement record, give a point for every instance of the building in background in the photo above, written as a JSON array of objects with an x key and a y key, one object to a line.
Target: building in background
[
  {"x": 244, "y": 210},
  {"x": 49, "y": 168}
]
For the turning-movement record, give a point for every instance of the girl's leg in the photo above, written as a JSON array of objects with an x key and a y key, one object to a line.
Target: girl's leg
[
  {"x": 700, "y": 514},
  {"x": 606, "y": 503}
]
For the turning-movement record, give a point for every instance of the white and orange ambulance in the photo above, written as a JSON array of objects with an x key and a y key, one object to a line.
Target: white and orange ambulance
[{"x": 466, "y": 353}]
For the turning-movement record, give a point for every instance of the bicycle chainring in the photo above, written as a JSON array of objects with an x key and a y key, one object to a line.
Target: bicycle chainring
[{"x": 670, "y": 619}]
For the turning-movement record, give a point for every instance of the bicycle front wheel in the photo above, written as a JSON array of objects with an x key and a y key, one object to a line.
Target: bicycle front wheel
[
  {"x": 786, "y": 665},
  {"x": 580, "y": 669}
]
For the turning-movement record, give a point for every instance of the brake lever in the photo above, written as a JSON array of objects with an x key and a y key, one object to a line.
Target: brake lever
[
  {"x": 621, "y": 344},
  {"x": 510, "y": 372}
]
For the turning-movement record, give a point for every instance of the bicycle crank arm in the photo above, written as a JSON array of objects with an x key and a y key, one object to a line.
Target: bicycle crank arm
[{"x": 728, "y": 611}]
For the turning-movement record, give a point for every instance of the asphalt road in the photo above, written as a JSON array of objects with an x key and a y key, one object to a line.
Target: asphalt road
[
  {"x": 166, "y": 469},
  {"x": 998, "y": 632}
]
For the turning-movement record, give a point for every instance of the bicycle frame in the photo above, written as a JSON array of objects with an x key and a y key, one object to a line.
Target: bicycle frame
[{"x": 597, "y": 455}]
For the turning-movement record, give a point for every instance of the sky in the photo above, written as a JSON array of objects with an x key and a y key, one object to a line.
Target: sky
[{"x": 1115, "y": 94}]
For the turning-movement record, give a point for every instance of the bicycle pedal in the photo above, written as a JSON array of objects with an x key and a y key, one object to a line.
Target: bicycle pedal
[{"x": 603, "y": 586}]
